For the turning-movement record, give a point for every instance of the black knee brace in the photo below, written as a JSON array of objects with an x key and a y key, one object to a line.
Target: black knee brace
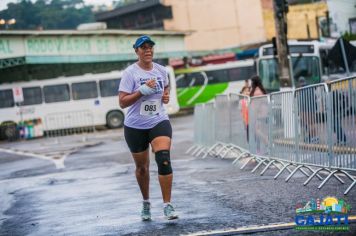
[{"x": 164, "y": 162}]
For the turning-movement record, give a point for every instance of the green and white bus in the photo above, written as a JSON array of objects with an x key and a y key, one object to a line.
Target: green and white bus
[{"x": 201, "y": 84}]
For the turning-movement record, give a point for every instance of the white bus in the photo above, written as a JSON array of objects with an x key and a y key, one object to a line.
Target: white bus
[
  {"x": 309, "y": 60},
  {"x": 69, "y": 102}
]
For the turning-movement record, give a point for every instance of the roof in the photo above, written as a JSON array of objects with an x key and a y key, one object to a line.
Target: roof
[
  {"x": 90, "y": 32},
  {"x": 127, "y": 9}
]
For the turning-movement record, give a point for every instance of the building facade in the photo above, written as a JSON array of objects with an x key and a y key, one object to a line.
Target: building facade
[
  {"x": 213, "y": 24},
  {"x": 309, "y": 21},
  {"x": 303, "y": 20},
  {"x": 29, "y": 55},
  {"x": 342, "y": 14}
]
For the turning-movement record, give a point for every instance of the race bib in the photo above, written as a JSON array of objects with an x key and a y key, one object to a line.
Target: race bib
[{"x": 150, "y": 107}]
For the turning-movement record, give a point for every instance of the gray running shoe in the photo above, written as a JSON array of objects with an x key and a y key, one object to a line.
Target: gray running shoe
[
  {"x": 146, "y": 211},
  {"x": 169, "y": 212}
]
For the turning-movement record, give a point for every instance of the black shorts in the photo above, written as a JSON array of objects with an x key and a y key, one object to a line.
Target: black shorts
[{"x": 139, "y": 139}]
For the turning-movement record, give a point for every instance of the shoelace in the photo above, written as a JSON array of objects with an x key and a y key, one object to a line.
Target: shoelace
[{"x": 146, "y": 208}]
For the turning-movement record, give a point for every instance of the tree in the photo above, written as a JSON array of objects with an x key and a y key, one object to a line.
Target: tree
[
  {"x": 48, "y": 14},
  {"x": 120, "y": 3}
]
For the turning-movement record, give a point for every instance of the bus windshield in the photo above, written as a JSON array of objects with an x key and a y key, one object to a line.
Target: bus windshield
[{"x": 306, "y": 67}]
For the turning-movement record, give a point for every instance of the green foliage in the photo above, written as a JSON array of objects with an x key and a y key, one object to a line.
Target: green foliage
[
  {"x": 48, "y": 14},
  {"x": 119, "y": 3},
  {"x": 348, "y": 36}
]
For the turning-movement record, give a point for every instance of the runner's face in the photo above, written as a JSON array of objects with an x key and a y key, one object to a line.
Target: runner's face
[{"x": 145, "y": 53}]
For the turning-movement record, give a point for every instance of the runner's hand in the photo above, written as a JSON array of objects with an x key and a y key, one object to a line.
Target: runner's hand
[
  {"x": 165, "y": 97},
  {"x": 151, "y": 83},
  {"x": 146, "y": 90}
]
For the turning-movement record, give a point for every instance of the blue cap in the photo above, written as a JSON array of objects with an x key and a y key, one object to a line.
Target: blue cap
[{"x": 141, "y": 40}]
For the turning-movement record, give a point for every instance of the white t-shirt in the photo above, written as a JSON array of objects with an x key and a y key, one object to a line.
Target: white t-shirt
[{"x": 148, "y": 111}]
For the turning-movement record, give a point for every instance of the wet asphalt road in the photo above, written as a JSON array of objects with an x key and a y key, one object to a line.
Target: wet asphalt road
[{"x": 96, "y": 191}]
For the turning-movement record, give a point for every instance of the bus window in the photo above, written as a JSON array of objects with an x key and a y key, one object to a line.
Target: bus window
[
  {"x": 242, "y": 73},
  {"x": 234, "y": 74},
  {"x": 306, "y": 67},
  {"x": 182, "y": 81},
  {"x": 6, "y": 98},
  {"x": 109, "y": 87},
  {"x": 190, "y": 79},
  {"x": 268, "y": 72},
  {"x": 84, "y": 90},
  {"x": 56, "y": 93},
  {"x": 217, "y": 76},
  {"x": 324, "y": 61},
  {"x": 32, "y": 96},
  {"x": 196, "y": 79}
]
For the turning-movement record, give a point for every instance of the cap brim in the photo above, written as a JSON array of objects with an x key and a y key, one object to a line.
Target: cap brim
[{"x": 146, "y": 41}]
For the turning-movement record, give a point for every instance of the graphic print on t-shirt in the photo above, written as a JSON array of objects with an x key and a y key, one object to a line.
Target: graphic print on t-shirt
[{"x": 159, "y": 83}]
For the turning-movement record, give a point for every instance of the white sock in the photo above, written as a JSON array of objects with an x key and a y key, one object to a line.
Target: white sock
[
  {"x": 147, "y": 200},
  {"x": 166, "y": 203}
]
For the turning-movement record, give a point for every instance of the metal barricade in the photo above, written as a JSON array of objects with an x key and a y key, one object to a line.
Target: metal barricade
[
  {"x": 226, "y": 126},
  {"x": 198, "y": 124},
  {"x": 342, "y": 129},
  {"x": 222, "y": 119},
  {"x": 198, "y": 109},
  {"x": 204, "y": 128},
  {"x": 239, "y": 120},
  {"x": 284, "y": 120},
  {"x": 259, "y": 125},
  {"x": 343, "y": 123},
  {"x": 312, "y": 130},
  {"x": 209, "y": 121},
  {"x": 282, "y": 126},
  {"x": 221, "y": 126},
  {"x": 239, "y": 126}
]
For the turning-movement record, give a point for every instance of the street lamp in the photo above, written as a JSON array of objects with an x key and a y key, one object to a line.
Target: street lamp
[{"x": 7, "y": 23}]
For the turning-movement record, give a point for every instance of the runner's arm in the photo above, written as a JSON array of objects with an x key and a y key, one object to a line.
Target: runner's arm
[
  {"x": 127, "y": 99},
  {"x": 165, "y": 96}
]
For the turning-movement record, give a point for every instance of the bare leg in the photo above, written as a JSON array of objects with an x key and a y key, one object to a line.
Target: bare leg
[
  {"x": 142, "y": 162},
  {"x": 165, "y": 181}
]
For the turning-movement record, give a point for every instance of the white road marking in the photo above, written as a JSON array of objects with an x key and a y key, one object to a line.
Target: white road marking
[
  {"x": 57, "y": 157},
  {"x": 255, "y": 229},
  {"x": 58, "y": 160}
]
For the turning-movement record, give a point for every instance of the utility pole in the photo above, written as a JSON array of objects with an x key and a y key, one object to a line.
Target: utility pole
[
  {"x": 280, "y": 18},
  {"x": 328, "y": 23}
]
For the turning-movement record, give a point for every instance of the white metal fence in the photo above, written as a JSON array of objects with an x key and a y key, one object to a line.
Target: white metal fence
[
  {"x": 52, "y": 125},
  {"x": 310, "y": 129}
]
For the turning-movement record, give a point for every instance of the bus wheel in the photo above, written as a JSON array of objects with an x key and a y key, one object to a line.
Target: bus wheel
[
  {"x": 115, "y": 119},
  {"x": 10, "y": 131}
]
